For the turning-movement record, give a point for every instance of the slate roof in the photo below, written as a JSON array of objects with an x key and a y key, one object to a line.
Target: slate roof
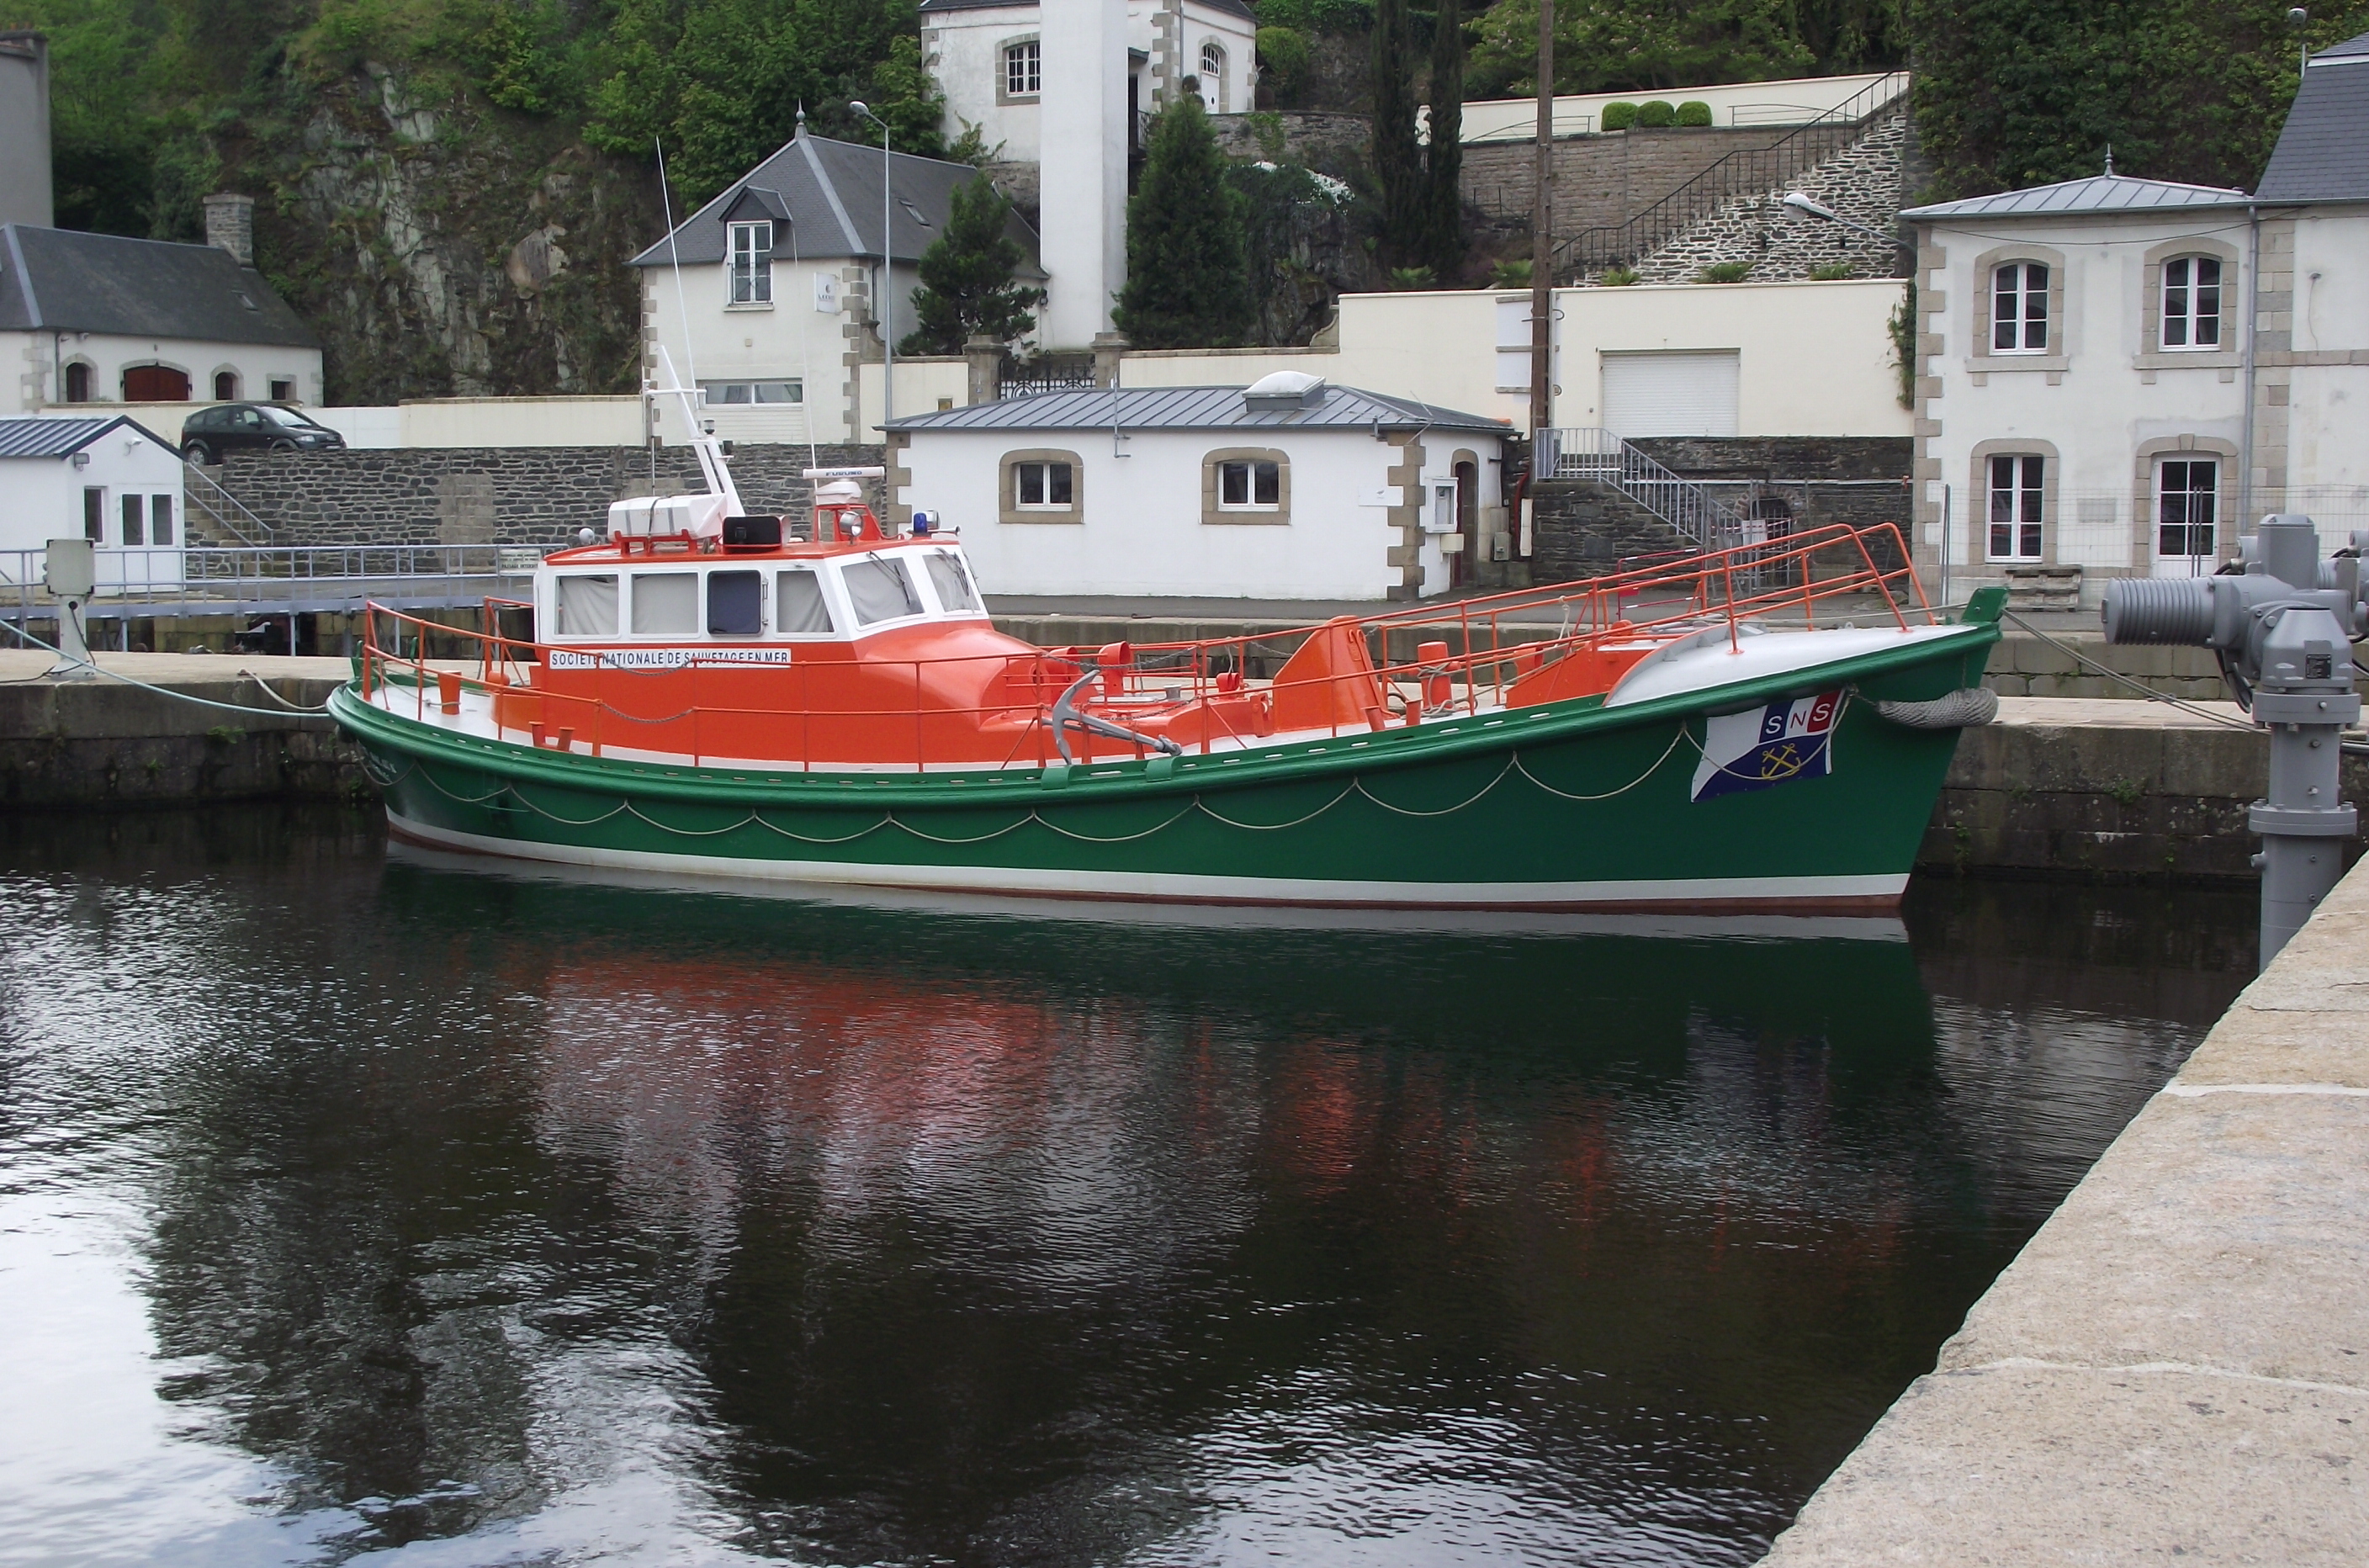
[
  {"x": 1195, "y": 408},
  {"x": 62, "y": 437},
  {"x": 830, "y": 194},
  {"x": 2323, "y": 152},
  {"x": 2099, "y": 193},
  {"x": 66, "y": 281},
  {"x": 1232, "y": 7}
]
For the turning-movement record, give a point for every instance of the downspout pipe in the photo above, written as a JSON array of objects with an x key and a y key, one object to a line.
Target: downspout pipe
[{"x": 2253, "y": 322}]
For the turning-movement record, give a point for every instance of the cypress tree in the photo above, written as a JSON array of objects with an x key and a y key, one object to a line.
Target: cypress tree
[
  {"x": 1398, "y": 162},
  {"x": 1443, "y": 237},
  {"x": 1188, "y": 266},
  {"x": 966, "y": 285}
]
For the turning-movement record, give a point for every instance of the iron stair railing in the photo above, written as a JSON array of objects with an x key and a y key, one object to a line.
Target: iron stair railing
[
  {"x": 202, "y": 491},
  {"x": 1745, "y": 172},
  {"x": 1704, "y": 521}
]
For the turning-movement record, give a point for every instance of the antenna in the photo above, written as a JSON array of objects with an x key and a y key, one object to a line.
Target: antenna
[{"x": 682, "y": 306}]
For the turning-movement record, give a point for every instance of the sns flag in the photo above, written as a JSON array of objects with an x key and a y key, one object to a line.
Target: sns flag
[{"x": 1761, "y": 747}]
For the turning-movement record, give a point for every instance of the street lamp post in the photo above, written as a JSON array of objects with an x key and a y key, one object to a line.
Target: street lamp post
[
  {"x": 888, "y": 291},
  {"x": 1802, "y": 203}
]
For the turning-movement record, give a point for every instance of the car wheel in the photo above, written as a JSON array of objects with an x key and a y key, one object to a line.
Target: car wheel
[
  {"x": 195, "y": 451},
  {"x": 283, "y": 444}
]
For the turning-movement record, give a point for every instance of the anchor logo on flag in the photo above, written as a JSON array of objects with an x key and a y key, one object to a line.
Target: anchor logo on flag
[{"x": 1761, "y": 748}]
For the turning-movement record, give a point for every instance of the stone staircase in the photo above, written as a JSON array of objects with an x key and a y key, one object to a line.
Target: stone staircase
[
  {"x": 1860, "y": 182},
  {"x": 212, "y": 516}
]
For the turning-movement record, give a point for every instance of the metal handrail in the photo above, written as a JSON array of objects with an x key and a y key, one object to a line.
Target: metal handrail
[
  {"x": 214, "y": 504},
  {"x": 1745, "y": 171},
  {"x": 1589, "y": 453},
  {"x": 203, "y": 574}
]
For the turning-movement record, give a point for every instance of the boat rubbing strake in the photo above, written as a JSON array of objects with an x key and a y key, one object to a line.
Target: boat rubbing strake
[{"x": 821, "y": 701}]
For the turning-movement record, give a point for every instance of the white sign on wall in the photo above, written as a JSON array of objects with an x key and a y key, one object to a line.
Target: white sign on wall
[{"x": 826, "y": 292}]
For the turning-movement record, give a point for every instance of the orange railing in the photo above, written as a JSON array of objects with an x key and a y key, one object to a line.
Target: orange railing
[{"x": 1350, "y": 676}]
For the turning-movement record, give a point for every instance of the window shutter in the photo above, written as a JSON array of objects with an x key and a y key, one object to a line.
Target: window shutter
[{"x": 1671, "y": 395}]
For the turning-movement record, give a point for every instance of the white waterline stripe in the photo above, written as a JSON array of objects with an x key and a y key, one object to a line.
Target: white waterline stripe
[
  {"x": 2196, "y": 1090},
  {"x": 2158, "y": 1369}
]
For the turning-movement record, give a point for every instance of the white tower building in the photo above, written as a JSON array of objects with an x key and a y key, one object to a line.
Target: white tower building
[{"x": 1084, "y": 165}]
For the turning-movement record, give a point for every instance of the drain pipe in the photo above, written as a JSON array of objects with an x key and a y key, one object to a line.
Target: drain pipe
[{"x": 2253, "y": 322}]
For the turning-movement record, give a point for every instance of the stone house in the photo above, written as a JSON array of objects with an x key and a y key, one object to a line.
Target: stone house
[{"x": 2115, "y": 375}]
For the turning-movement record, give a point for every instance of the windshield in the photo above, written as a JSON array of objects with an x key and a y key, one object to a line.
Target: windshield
[{"x": 290, "y": 417}]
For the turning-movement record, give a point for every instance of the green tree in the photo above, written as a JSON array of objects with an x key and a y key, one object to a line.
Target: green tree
[
  {"x": 1619, "y": 45},
  {"x": 967, "y": 278},
  {"x": 1397, "y": 158},
  {"x": 1188, "y": 274},
  {"x": 1444, "y": 160}
]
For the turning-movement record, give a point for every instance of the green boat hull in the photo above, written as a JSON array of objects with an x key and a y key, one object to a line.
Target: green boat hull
[{"x": 1572, "y": 805}]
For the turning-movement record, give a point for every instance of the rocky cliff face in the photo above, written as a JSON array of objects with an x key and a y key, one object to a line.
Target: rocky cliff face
[{"x": 441, "y": 246}]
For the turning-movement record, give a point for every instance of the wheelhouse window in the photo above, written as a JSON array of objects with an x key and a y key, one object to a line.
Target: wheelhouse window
[
  {"x": 880, "y": 590},
  {"x": 1023, "y": 74},
  {"x": 955, "y": 595},
  {"x": 1043, "y": 487},
  {"x": 2191, "y": 303},
  {"x": 665, "y": 603},
  {"x": 2019, "y": 308},
  {"x": 2185, "y": 488},
  {"x": 2017, "y": 497},
  {"x": 752, "y": 263},
  {"x": 799, "y": 607},
  {"x": 587, "y": 604},
  {"x": 736, "y": 604},
  {"x": 1249, "y": 485}
]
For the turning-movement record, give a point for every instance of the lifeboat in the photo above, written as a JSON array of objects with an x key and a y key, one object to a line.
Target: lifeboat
[{"x": 826, "y": 699}]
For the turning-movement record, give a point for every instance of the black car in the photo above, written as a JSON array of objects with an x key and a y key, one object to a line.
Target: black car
[{"x": 252, "y": 426}]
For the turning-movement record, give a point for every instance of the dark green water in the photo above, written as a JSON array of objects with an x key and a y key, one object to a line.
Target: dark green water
[{"x": 354, "y": 1204}]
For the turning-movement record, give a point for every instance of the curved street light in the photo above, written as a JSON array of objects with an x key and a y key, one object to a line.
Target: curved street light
[{"x": 887, "y": 289}]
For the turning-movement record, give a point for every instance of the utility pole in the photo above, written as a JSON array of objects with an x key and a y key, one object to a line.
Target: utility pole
[{"x": 1542, "y": 259}]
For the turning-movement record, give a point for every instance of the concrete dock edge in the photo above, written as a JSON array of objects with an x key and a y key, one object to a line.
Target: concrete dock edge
[{"x": 2176, "y": 1365}]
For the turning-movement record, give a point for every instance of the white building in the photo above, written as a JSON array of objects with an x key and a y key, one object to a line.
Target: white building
[
  {"x": 107, "y": 480},
  {"x": 773, "y": 311},
  {"x": 2116, "y": 374},
  {"x": 1290, "y": 489},
  {"x": 986, "y": 57},
  {"x": 101, "y": 318}
]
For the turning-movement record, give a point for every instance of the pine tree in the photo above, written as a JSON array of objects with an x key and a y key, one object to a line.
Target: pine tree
[
  {"x": 967, "y": 278},
  {"x": 1444, "y": 163},
  {"x": 1188, "y": 272},
  {"x": 1398, "y": 162}
]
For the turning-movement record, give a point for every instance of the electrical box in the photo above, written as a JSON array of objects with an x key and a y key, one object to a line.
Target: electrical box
[{"x": 70, "y": 569}]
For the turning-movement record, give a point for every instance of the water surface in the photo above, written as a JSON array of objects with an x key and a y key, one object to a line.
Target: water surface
[{"x": 357, "y": 1205}]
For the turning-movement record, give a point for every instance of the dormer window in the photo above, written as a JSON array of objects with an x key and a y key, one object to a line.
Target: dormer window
[
  {"x": 1023, "y": 74},
  {"x": 751, "y": 260},
  {"x": 2019, "y": 308},
  {"x": 2191, "y": 303}
]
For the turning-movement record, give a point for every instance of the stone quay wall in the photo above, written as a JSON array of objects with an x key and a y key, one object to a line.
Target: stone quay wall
[
  {"x": 1600, "y": 180},
  {"x": 499, "y": 495}
]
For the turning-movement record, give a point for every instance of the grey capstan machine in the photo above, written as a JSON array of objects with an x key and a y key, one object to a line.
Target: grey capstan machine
[{"x": 2284, "y": 628}]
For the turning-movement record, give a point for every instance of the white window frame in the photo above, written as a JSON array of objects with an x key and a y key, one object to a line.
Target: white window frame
[
  {"x": 1024, "y": 68},
  {"x": 2188, "y": 462},
  {"x": 719, "y": 393},
  {"x": 2026, "y": 491},
  {"x": 2183, "y": 305},
  {"x": 1045, "y": 485},
  {"x": 1249, "y": 468},
  {"x": 2020, "y": 291},
  {"x": 749, "y": 264}
]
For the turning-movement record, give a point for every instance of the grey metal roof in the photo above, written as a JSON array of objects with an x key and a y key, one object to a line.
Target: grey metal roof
[
  {"x": 62, "y": 437},
  {"x": 2323, "y": 152},
  {"x": 1232, "y": 7},
  {"x": 829, "y": 192},
  {"x": 66, "y": 281},
  {"x": 1194, "y": 408},
  {"x": 2099, "y": 193}
]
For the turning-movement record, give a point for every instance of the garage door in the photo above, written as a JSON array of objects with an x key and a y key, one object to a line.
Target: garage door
[{"x": 1670, "y": 395}]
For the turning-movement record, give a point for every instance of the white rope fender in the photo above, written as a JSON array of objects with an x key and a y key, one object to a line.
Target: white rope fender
[{"x": 1962, "y": 709}]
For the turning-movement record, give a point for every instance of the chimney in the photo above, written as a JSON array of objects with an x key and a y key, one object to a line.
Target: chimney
[{"x": 230, "y": 224}]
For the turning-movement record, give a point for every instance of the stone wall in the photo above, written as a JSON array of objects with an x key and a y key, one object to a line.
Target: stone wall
[
  {"x": 1863, "y": 183},
  {"x": 1858, "y": 480},
  {"x": 1600, "y": 180},
  {"x": 1580, "y": 529},
  {"x": 497, "y": 496}
]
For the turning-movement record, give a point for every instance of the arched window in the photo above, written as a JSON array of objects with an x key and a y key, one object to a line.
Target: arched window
[
  {"x": 225, "y": 387},
  {"x": 1022, "y": 70},
  {"x": 78, "y": 383},
  {"x": 2191, "y": 303},
  {"x": 2019, "y": 308},
  {"x": 1213, "y": 78}
]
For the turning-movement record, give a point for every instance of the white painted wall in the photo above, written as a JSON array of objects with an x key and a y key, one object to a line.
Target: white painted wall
[
  {"x": 922, "y": 384},
  {"x": 2328, "y": 417},
  {"x": 39, "y": 359},
  {"x": 509, "y": 421},
  {"x": 792, "y": 339},
  {"x": 1143, "y": 533},
  {"x": 1814, "y": 358},
  {"x": 1794, "y": 101},
  {"x": 964, "y": 50},
  {"x": 42, "y": 499},
  {"x": 1082, "y": 165}
]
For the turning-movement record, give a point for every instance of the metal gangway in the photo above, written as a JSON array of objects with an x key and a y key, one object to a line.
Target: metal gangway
[{"x": 141, "y": 583}]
